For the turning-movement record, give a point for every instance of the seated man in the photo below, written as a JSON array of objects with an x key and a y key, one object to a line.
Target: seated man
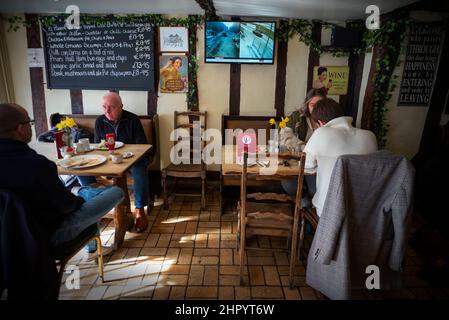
[
  {"x": 335, "y": 137},
  {"x": 128, "y": 129},
  {"x": 61, "y": 214}
]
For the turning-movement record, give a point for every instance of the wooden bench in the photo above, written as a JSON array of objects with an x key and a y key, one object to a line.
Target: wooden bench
[{"x": 150, "y": 126}]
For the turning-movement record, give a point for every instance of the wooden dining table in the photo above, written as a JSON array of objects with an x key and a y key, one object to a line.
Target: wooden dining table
[
  {"x": 232, "y": 169},
  {"x": 117, "y": 171}
]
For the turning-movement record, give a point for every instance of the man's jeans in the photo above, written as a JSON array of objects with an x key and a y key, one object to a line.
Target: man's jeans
[
  {"x": 309, "y": 184},
  {"x": 99, "y": 201},
  {"x": 139, "y": 172}
]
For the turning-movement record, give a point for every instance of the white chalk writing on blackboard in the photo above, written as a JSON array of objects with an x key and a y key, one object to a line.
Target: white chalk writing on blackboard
[{"x": 111, "y": 55}]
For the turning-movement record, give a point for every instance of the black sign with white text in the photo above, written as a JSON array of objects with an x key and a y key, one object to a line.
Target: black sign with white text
[
  {"x": 421, "y": 63},
  {"x": 111, "y": 55}
]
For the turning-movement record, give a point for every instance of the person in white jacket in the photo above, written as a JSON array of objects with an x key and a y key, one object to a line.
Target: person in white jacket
[{"x": 335, "y": 137}]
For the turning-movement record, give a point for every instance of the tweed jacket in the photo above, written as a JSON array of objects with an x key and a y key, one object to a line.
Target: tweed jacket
[{"x": 365, "y": 222}]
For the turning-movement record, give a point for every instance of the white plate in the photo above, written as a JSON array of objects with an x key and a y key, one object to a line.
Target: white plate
[
  {"x": 82, "y": 162},
  {"x": 118, "y": 144}
]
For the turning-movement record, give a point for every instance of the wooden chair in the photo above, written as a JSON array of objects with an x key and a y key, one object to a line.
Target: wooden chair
[
  {"x": 66, "y": 251},
  {"x": 190, "y": 169},
  {"x": 307, "y": 215},
  {"x": 276, "y": 215}
]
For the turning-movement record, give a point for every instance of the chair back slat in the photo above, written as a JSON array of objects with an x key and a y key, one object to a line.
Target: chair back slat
[
  {"x": 186, "y": 120},
  {"x": 268, "y": 218}
]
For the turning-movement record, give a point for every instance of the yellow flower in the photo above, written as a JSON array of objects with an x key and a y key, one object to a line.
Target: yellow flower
[
  {"x": 272, "y": 121},
  {"x": 286, "y": 119},
  {"x": 70, "y": 122},
  {"x": 59, "y": 126},
  {"x": 282, "y": 124},
  {"x": 67, "y": 123}
]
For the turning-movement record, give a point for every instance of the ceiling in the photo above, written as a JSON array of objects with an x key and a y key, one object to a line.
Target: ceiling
[{"x": 338, "y": 10}]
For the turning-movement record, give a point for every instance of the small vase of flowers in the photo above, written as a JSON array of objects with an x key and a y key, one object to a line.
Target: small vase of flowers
[
  {"x": 65, "y": 126},
  {"x": 273, "y": 143}
]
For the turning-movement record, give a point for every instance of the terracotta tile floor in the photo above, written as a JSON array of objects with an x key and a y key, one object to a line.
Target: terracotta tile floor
[{"x": 188, "y": 253}]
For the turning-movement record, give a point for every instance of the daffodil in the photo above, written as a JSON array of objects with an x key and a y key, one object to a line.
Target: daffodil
[
  {"x": 272, "y": 121},
  {"x": 282, "y": 124},
  {"x": 61, "y": 125},
  {"x": 67, "y": 123},
  {"x": 70, "y": 122}
]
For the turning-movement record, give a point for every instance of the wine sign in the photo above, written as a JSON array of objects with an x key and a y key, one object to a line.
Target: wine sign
[
  {"x": 111, "y": 55},
  {"x": 421, "y": 64}
]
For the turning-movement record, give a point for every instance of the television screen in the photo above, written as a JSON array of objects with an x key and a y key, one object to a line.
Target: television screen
[{"x": 239, "y": 42}]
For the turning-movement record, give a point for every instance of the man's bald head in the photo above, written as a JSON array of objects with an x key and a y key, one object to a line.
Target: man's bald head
[
  {"x": 113, "y": 97},
  {"x": 112, "y": 106},
  {"x": 11, "y": 115},
  {"x": 14, "y": 122}
]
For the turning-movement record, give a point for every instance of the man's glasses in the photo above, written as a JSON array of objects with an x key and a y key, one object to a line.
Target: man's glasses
[{"x": 31, "y": 122}]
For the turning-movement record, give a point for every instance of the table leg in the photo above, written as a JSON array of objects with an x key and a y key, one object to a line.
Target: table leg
[
  {"x": 122, "y": 220},
  {"x": 221, "y": 194},
  {"x": 122, "y": 183}
]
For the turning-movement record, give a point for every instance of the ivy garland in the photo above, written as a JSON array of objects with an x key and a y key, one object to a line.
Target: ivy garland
[
  {"x": 388, "y": 41},
  {"x": 156, "y": 20},
  {"x": 388, "y": 37}
]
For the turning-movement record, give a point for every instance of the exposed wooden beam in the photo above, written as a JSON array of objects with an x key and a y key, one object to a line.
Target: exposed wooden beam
[
  {"x": 234, "y": 89},
  {"x": 234, "y": 85},
  {"x": 350, "y": 101},
  {"x": 209, "y": 9},
  {"x": 36, "y": 76},
  {"x": 368, "y": 101},
  {"x": 194, "y": 101},
  {"x": 314, "y": 58},
  {"x": 152, "y": 95},
  {"x": 356, "y": 63},
  {"x": 76, "y": 99},
  {"x": 281, "y": 73}
]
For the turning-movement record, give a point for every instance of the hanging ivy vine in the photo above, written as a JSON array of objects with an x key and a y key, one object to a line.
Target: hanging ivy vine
[{"x": 387, "y": 40}]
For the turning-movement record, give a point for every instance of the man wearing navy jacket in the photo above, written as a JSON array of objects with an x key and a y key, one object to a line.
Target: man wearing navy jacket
[
  {"x": 128, "y": 129},
  {"x": 34, "y": 178}
]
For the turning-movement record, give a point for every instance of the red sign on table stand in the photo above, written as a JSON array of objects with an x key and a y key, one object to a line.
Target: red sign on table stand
[{"x": 246, "y": 142}]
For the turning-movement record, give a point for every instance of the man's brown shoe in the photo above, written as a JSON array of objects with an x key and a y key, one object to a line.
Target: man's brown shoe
[{"x": 140, "y": 222}]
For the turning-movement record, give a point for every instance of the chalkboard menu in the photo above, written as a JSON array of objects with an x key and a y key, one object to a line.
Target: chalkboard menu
[
  {"x": 112, "y": 55},
  {"x": 421, "y": 64}
]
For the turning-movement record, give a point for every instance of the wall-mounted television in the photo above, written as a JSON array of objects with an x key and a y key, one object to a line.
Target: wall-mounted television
[{"x": 239, "y": 42}]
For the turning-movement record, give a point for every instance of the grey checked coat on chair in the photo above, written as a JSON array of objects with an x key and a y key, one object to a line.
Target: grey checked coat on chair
[{"x": 365, "y": 221}]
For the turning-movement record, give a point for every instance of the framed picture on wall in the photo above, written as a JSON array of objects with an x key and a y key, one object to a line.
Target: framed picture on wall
[
  {"x": 173, "y": 39},
  {"x": 173, "y": 73}
]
